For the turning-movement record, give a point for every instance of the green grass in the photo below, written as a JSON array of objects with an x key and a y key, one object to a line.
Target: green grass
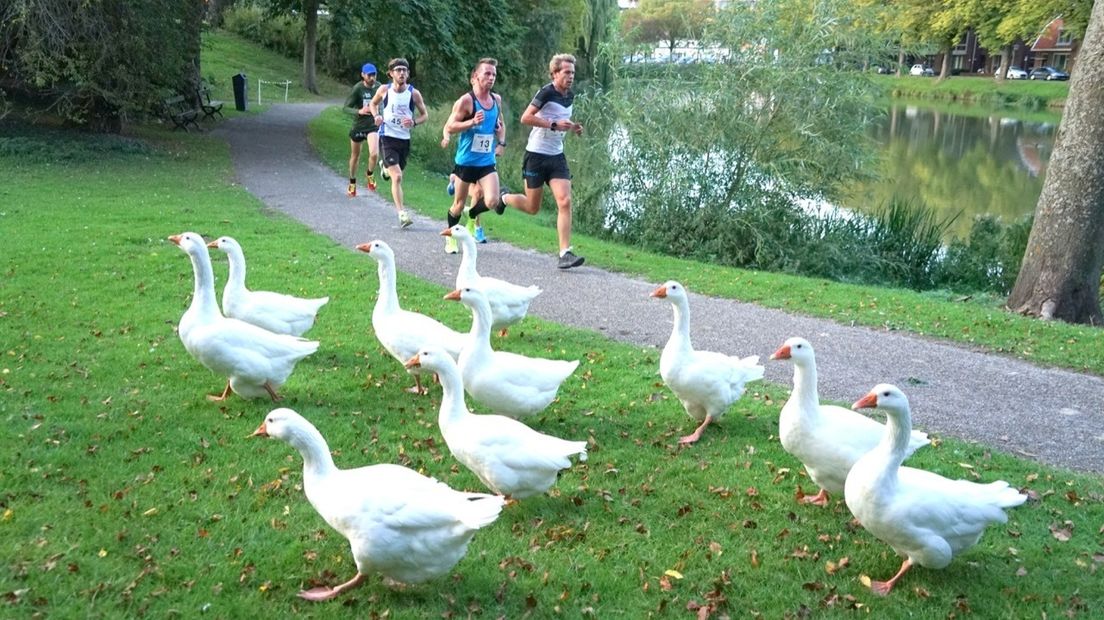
[
  {"x": 226, "y": 54},
  {"x": 126, "y": 493},
  {"x": 979, "y": 321},
  {"x": 1032, "y": 94}
]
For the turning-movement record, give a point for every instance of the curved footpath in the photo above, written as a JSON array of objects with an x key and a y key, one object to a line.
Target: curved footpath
[{"x": 1054, "y": 416}]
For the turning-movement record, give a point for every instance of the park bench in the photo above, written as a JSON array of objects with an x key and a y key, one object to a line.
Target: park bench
[
  {"x": 180, "y": 112},
  {"x": 208, "y": 106}
]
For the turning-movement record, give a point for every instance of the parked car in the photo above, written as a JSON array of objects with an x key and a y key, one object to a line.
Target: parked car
[
  {"x": 1016, "y": 73},
  {"x": 919, "y": 69},
  {"x": 1047, "y": 73}
]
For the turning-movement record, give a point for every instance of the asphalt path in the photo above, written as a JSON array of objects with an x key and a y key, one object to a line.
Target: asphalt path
[{"x": 1054, "y": 416}]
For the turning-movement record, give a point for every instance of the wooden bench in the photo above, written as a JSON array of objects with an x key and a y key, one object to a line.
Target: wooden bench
[
  {"x": 180, "y": 112},
  {"x": 208, "y": 106}
]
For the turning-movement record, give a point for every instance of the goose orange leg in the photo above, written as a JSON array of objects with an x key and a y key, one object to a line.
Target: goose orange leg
[
  {"x": 325, "y": 593},
  {"x": 820, "y": 499},
  {"x": 696, "y": 435},
  {"x": 272, "y": 392},
  {"x": 220, "y": 397},
  {"x": 417, "y": 389},
  {"x": 882, "y": 588}
]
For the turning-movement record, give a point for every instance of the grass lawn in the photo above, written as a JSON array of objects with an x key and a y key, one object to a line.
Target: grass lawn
[
  {"x": 1030, "y": 94},
  {"x": 126, "y": 493}
]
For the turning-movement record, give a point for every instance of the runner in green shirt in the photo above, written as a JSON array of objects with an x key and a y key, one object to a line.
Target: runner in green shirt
[{"x": 364, "y": 128}]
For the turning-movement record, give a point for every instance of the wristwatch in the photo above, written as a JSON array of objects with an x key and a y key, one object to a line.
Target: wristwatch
[{"x": 553, "y": 126}]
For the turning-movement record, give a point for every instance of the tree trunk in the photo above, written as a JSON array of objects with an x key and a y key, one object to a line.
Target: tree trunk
[
  {"x": 1060, "y": 275},
  {"x": 1005, "y": 59},
  {"x": 900, "y": 61},
  {"x": 310, "y": 45},
  {"x": 945, "y": 66}
]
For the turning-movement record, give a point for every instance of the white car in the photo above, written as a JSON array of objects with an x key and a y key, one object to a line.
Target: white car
[
  {"x": 1016, "y": 73},
  {"x": 919, "y": 69}
]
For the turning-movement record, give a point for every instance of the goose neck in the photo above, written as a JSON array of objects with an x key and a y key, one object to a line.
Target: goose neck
[
  {"x": 236, "y": 277},
  {"x": 895, "y": 441},
  {"x": 680, "y": 329},
  {"x": 805, "y": 384},
  {"x": 203, "y": 292},
  {"x": 481, "y": 325},
  {"x": 317, "y": 460},
  {"x": 388, "y": 300},
  {"x": 467, "y": 270},
  {"x": 453, "y": 408}
]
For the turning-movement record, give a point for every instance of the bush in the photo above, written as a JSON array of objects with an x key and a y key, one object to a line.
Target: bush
[{"x": 280, "y": 33}]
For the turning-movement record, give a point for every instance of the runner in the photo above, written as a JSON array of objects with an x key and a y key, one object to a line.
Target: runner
[
  {"x": 549, "y": 114},
  {"x": 397, "y": 108},
  {"x": 364, "y": 128},
  {"x": 476, "y": 116}
]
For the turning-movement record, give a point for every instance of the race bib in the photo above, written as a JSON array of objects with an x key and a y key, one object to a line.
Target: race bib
[{"x": 482, "y": 143}]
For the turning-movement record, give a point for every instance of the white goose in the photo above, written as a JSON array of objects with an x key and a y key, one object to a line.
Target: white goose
[
  {"x": 508, "y": 456},
  {"x": 509, "y": 302},
  {"x": 276, "y": 312},
  {"x": 705, "y": 382},
  {"x": 827, "y": 439},
  {"x": 511, "y": 384},
  {"x": 399, "y": 523},
  {"x": 255, "y": 361},
  {"x": 400, "y": 331},
  {"x": 926, "y": 518}
]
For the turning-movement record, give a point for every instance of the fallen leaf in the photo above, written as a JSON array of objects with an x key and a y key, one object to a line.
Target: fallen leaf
[
  {"x": 1021, "y": 572},
  {"x": 673, "y": 573},
  {"x": 664, "y": 583},
  {"x": 865, "y": 580},
  {"x": 1062, "y": 534},
  {"x": 754, "y": 558}
]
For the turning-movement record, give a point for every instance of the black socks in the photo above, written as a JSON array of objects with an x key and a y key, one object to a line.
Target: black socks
[
  {"x": 453, "y": 220},
  {"x": 481, "y": 207}
]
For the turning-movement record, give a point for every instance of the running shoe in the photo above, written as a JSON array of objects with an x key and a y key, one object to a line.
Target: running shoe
[
  {"x": 383, "y": 171},
  {"x": 569, "y": 260},
  {"x": 371, "y": 181},
  {"x": 450, "y": 246},
  {"x": 479, "y": 236},
  {"x": 471, "y": 226},
  {"x": 451, "y": 189},
  {"x": 404, "y": 220},
  {"x": 351, "y": 192}
]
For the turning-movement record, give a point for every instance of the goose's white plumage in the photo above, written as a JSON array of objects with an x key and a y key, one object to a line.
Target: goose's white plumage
[
  {"x": 255, "y": 361},
  {"x": 706, "y": 383},
  {"x": 827, "y": 439},
  {"x": 509, "y": 302},
  {"x": 508, "y": 383},
  {"x": 507, "y": 456},
  {"x": 276, "y": 312},
  {"x": 399, "y": 523},
  {"x": 402, "y": 332},
  {"x": 924, "y": 517}
]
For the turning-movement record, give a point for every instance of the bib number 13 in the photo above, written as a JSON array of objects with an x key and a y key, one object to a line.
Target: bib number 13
[{"x": 482, "y": 143}]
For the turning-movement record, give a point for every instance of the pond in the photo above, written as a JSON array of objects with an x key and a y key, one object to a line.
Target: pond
[{"x": 962, "y": 160}]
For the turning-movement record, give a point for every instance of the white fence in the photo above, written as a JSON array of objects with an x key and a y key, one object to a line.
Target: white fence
[{"x": 285, "y": 84}]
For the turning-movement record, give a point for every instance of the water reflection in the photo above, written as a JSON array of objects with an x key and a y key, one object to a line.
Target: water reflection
[{"x": 959, "y": 162}]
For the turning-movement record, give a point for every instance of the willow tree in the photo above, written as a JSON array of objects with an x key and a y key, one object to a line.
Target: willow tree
[{"x": 1060, "y": 274}]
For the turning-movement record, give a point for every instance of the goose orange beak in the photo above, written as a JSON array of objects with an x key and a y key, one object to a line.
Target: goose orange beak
[
  {"x": 660, "y": 292},
  {"x": 261, "y": 431},
  {"x": 413, "y": 362},
  {"x": 175, "y": 239},
  {"x": 213, "y": 244},
  {"x": 783, "y": 353},
  {"x": 453, "y": 296},
  {"x": 365, "y": 247},
  {"x": 446, "y": 232},
  {"x": 866, "y": 402}
]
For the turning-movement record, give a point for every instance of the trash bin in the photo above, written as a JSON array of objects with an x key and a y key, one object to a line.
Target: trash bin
[{"x": 241, "y": 95}]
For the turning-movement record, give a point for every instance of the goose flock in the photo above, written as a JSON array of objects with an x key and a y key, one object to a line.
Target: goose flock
[{"x": 410, "y": 528}]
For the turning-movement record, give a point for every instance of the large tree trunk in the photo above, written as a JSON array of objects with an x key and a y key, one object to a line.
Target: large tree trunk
[
  {"x": 310, "y": 45},
  {"x": 1060, "y": 276},
  {"x": 1005, "y": 59},
  {"x": 945, "y": 66}
]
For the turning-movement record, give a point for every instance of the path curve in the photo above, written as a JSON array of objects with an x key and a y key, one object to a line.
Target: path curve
[{"x": 1052, "y": 415}]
